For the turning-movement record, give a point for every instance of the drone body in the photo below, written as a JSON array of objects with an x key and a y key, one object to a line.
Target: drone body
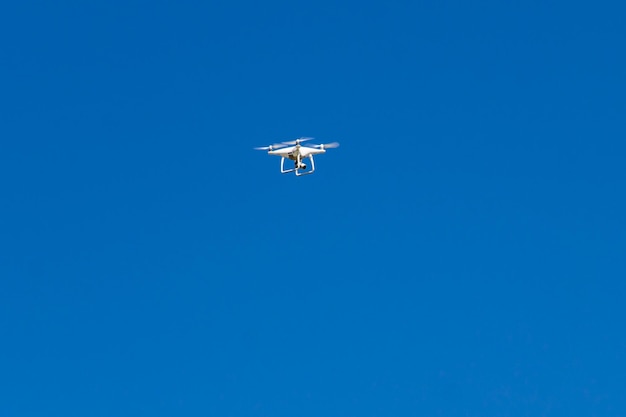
[{"x": 296, "y": 152}]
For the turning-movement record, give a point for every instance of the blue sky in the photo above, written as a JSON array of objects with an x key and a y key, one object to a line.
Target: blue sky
[{"x": 461, "y": 253}]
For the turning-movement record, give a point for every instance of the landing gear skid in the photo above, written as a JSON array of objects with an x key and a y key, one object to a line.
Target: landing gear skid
[{"x": 296, "y": 169}]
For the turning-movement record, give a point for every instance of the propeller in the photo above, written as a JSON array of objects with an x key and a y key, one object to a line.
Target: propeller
[
  {"x": 271, "y": 147},
  {"x": 327, "y": 145},
  {"x": 297, "y": 141}
]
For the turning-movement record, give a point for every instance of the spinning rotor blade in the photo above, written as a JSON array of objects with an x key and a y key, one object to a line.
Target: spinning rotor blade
[
  {"x": 327, "y": 145},
  {"x": 271, "y": 147},
  {"x": 297, "y": 141}
]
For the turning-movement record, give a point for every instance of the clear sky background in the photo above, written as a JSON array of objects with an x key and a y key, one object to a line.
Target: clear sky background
[{"x": 461, "y": 253}]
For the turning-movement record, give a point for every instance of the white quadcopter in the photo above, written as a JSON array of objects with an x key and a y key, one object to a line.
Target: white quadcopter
[{"x": 296, "y": 152}]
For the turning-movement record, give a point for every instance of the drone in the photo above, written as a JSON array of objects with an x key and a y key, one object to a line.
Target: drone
[{"x": 294, "y": 151}]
